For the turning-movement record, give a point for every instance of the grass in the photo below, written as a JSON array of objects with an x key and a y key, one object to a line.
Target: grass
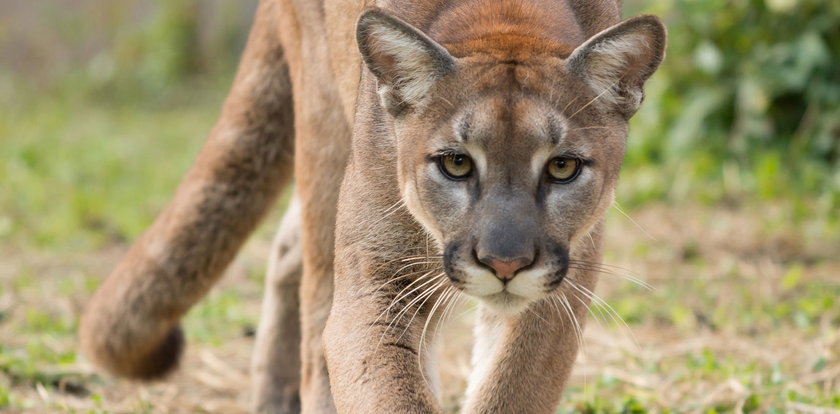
[
  {"x": 736, "y": 321},
  {"x": 81, "y": 172},
  {"x": 743, "y": 316}
]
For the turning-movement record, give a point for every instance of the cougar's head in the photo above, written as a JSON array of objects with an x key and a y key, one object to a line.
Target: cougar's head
[{"x": 509, "y": 156}]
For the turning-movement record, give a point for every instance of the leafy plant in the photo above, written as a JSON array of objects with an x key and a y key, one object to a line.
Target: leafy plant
[{"x": 747, "y": 99}]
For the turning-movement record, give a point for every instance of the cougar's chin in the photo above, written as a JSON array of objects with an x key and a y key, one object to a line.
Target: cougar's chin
[{"x": 506, "y": 303}]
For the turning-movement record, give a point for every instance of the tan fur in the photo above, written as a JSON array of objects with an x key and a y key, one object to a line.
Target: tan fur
[
  {"x": 275, "y": 366},
  {"x": 361, "y": 284}
]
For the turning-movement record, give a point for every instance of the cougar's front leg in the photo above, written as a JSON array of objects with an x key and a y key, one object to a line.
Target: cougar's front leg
[
  {"x": 374, "y": 349},
  {"x": 521, "y": 363},
  {"x": 130, "y": 327},
  {"x": 275, "y": 367},
  {"x": 381, "y": 304}
]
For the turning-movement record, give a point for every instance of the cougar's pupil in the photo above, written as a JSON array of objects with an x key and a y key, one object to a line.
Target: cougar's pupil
[
  {"x": 455, "y": 166},
  {"x": 563, "y": 169}
]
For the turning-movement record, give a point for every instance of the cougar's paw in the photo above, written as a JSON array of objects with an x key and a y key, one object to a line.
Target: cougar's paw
[{"x": 284, "y": 401}]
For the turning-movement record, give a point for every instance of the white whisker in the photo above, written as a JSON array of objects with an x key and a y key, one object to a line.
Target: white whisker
[
  {"x": 437, "y": 279},
  {"x": 575, "y": 324},
  {"x": 423, "y": 296},
  {"x": 599, "y": 268},
  {"x": 607, "y": 89},
  {"x": 618, "y": 207},
  {"x": 615, "y": 316},
  {"x": 399, "y": 296},
  {"x": 437, "y": 286},
  {"x": 442, "y": 298},
  {"x": 591, "y": 240},
  {"x": 389, "y": 211},
  {"x": 569, "y": 104},
  {"x": 536, "y": 314}
]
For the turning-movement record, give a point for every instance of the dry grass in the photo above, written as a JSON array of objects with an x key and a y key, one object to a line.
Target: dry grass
[
  {"x": 743, "y": 316},
  {"x": 722, "y": 330}
]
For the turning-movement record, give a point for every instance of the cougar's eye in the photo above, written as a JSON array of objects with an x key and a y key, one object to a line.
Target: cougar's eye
[
  {"x": 455, "y": 166},
  {"x": 563, "y": 169}
]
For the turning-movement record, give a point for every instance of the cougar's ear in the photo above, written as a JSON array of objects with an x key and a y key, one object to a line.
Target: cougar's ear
[
  {"x": 616, "y": 62},
  {"x": 406, "y": 62}
]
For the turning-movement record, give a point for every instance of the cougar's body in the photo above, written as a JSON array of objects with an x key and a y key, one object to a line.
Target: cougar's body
[{"x": 371, "y": 116}]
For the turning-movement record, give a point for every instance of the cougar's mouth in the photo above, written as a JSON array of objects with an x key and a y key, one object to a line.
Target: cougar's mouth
[
  {"x": 506, "y": 303},
  {"x": 505, "y": 297}
]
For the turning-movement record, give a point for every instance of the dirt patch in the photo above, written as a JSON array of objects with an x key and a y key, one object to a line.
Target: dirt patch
[{"x": 742, "y": 316}]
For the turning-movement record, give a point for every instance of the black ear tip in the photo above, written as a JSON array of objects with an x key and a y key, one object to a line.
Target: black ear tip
[
  {"x": 648, "y": 18},
  {"x": 654, "y": 26},
  {"x": 651, "y": 22}
]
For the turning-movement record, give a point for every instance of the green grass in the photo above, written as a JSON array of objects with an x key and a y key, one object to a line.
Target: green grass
[
  {"x": 742, "y": 261},
  {"x": 80, "y": 172},
  {"x": 732, "y": 170}
]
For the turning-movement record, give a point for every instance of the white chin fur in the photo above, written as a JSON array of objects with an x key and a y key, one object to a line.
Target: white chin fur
[
  {"x": 505, "y": 303},
  {"x": 524, "y": 289}
]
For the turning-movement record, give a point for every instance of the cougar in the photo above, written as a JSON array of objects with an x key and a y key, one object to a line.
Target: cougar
[{"x": 442, "y": 150}]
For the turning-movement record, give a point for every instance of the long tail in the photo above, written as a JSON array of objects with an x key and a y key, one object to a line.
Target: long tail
[{"x": 131, "y": 325}]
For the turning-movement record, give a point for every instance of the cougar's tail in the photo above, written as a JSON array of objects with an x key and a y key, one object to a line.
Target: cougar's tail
[{"x": 131, "y": 325}]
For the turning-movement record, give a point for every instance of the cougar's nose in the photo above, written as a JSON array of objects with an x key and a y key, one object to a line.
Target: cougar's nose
[
  {"x": 505, "y": 270},
  {"x": 506, "y": 239}
]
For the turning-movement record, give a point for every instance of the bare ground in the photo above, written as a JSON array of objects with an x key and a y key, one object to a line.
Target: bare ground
[{"x": 742, "y": 318}]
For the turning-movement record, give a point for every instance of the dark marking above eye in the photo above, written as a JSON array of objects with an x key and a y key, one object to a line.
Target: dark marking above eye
[
  {"x": 555, "y": 131},
  {"x": 463, "y": 128}
]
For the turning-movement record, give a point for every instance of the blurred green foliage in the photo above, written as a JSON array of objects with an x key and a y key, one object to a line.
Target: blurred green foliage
[
  {"x": 173, "y": 47},
  {"x": 747, "y": 102},
  {"x": 745, "y": 109},
  {"x": 91, "y": 153},
  {"x": 79, "y": 177},
  {"x": 162, "y": 53}
]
